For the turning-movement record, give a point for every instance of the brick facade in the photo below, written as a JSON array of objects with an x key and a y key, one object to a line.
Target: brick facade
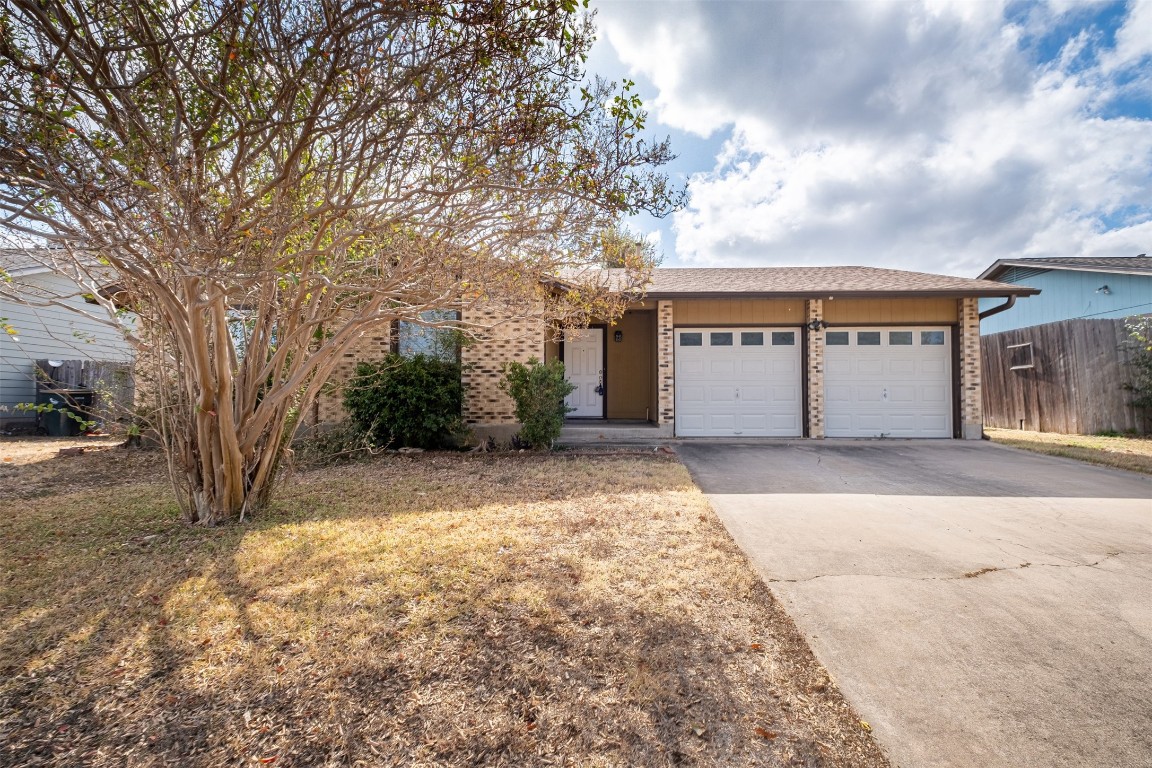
[
  {"x": 971, "y": 403},
  {"x": 519, "y": 339},
  {"x": 665, "y": 364},
  {"x": 814, "y": 310},
  {"x": 373, "y": 346}
]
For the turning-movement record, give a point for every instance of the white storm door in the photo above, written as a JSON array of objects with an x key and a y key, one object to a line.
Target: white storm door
[
  {"x": 888, "y": 382},
  {"x": 584, "y": 366},
  {"x": 738, "y": 382}
]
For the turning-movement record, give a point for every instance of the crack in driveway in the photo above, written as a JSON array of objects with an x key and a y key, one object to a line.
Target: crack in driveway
[{"x": 967, "y": 575}]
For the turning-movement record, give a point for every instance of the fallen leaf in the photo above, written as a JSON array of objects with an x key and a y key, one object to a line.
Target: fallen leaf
[
  {"x": 865, "y": 726},
  {"x": 764, "y": 734},
  {"x": 756, "y": 646}
]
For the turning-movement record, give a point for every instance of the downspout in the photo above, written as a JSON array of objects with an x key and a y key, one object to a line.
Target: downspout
[{"x": 1002, "y": 308}]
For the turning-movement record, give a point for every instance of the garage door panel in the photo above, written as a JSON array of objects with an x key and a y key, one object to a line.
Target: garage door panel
[
  {"x": 785, "y": 394},
  {"x": 756, "y": 366},
  {"x": 784, "y": 422},
  {"x": 689, "y": 367},
  {"x": 837, "y": 393},
  {"x": 753, "y": 395},
  {"x": 718, "y": 368},
  {"x": 722, "y": 394},
  {"x": 739, "y": 389},
  {"x": 902, "y": 366},
  {"x": 691, "y": 394},
  {"x": 725, "y": 422},
  {"x": 893, "y": 387},
  {"x": 933, "y": 394},
  {"x": 837, "y": 365},
  {"x": 902, "y": 394},
  {"x": 691, "y": 421}
]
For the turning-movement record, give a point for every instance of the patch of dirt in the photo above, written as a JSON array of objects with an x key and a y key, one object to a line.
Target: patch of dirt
[
  {"x": 434, "y": 609},
  {"x": 36, "y": 466}
]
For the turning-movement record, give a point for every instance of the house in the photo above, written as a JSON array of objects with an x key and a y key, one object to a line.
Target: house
[
  {"x": 1061, "y": 362},
  {"x": 1072, "y": 288},
  {"x": 45, "y": 317},
  {"x": 764, "y": 352}
]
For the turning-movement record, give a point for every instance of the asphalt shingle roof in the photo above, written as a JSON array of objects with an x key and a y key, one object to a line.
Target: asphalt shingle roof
[{"x": 815, "y": 282}]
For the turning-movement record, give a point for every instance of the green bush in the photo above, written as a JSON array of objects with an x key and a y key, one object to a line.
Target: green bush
[
  {"x": 413, "y": 402},
  {"x": 539, "y": 390}
]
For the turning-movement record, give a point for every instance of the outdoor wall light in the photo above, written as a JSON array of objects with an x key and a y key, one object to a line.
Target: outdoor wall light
[
  {"x": 1104, "y": 290},
  {"x": 815, "y": 325},
  {"x": 618, "y": 336}
]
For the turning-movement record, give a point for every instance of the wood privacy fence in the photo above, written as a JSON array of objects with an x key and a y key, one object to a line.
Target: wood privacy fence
[
  {"x": 1065, "y": 377},
  {"x": 112, "y": 382}
]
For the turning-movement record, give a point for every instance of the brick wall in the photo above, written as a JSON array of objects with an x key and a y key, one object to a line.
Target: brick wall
[
  {"x": 665, "y": 364},
  {"x": 814, "y": 310},
  {"x": 971, "y": 403},
  {"x": 517, "y": 339},
  {"x": 373, "y": 346}
]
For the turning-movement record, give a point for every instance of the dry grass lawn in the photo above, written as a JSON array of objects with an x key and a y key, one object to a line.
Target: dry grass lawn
[
  {"x": 1132, "y": 453},
  {"x": 506, "y": 610}
]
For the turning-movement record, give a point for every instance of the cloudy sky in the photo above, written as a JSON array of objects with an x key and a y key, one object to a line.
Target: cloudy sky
[{"x": 937, "y": 135}]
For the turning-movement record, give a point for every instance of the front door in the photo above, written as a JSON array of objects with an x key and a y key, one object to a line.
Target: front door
[{"x": 584, "y": 366}]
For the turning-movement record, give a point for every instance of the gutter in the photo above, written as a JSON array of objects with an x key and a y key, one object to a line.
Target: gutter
[{"x": 1002, "y": 308}]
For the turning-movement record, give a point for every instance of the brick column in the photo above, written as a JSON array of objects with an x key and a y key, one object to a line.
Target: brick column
[
  {"x": 971, "y": 403},
  {"x": 665, "y": 371},
  {"x": 815, "y": 373}
]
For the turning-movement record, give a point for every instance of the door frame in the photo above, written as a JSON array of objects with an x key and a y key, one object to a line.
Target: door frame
[{"x": 603, "y": 366}]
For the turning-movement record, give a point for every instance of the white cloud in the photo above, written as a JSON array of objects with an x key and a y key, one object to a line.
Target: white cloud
[{"x": 915, "y": 135}]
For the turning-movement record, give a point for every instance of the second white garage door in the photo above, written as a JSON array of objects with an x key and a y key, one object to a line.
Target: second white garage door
[
  {"x": 738, "y": 382},
  {"x": 890, "y": 382}
]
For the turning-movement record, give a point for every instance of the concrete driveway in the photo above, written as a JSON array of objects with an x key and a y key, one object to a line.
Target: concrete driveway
[{"x": 978, "y": 605}]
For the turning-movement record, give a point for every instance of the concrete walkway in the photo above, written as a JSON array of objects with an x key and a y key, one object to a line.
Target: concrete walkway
[{"x": 978, "y": 605}]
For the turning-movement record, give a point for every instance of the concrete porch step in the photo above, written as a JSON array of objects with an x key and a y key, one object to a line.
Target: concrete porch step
[{"x": 598, "y": 431}]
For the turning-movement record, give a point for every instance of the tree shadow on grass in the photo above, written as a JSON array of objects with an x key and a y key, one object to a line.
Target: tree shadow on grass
[{"x": 461, "y": 635}]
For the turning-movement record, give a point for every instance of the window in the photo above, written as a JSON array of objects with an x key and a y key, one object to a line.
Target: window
[
  {"x": 691, "y": 339},
  {"x": 899, "y": 338},
  {"x": 867, "y": 338},
  {"x": 751, "y": 339},
  {"x": 783, "y": 338},
  {"x": 836, "y": 338},
  {"x": 720, "y": 339},
  {"x": 931, "y": 338},
  {"x": 432, "y": 336}
]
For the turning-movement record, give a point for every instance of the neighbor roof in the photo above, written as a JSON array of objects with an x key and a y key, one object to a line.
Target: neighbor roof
[
  {"x": 818, "y": 282},
  {"x": 1129, "y": 265}
]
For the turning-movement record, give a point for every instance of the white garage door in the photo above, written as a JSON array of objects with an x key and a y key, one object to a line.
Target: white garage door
[
  {"x": 891, "y": 382},
  {"x": 738, "y": 382}
]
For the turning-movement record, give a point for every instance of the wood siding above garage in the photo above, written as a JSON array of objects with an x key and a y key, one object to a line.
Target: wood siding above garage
[
  {"x": 736, "y": 312},
  {"x": 884, "y": 311}
]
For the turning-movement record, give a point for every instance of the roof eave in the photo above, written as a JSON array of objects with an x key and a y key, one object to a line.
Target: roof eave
[
  {"x": 1002, "y": 266},
  {"x": 942, "y": 294}
]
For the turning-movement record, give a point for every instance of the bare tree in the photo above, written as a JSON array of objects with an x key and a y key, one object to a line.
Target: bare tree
[{"x": 267, "y": 179}]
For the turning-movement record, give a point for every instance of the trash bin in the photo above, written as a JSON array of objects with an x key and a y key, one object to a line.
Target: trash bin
[{"x": 59, "y": 421}]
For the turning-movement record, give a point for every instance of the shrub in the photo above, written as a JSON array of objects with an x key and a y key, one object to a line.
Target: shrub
[
  {"x": 1140, "y": 346},
  {"x": 539, "y": 390},
  {"x": 406, "y": 401}
]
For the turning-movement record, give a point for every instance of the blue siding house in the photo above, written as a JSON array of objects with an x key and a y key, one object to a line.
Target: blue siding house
[{"x": 1071, "y": 288}]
